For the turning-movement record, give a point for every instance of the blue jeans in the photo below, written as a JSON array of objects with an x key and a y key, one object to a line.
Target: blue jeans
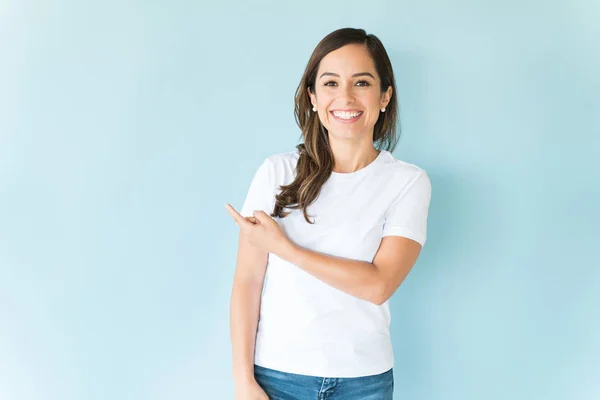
[{"x": 286, "y": 386}]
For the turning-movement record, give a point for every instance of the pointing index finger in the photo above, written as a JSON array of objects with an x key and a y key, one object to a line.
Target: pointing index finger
[{"x": 241, "y": 221}]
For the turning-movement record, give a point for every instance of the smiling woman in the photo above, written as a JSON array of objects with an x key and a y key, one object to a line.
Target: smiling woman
[
  {"x": 362, "y": 85},
  {"x": 320, "y": 325}
]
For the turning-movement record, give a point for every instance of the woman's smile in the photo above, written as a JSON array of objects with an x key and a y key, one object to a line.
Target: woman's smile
[{"x": 346, "y": 117}]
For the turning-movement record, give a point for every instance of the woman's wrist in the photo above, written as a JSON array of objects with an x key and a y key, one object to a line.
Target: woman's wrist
[
  {"x": 288, "y": 251},
  {"x": 243, "y": 376}
]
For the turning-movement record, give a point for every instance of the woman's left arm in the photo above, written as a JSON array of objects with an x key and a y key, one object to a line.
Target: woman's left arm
[{"x": 374, "y": 282}]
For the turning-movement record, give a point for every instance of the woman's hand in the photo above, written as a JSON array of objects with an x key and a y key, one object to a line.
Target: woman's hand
[
  {"x": 250, "y": 391},
  {"x": 261, "y": 231}
]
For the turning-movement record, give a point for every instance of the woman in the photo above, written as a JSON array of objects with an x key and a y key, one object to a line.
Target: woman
[{"x": 346, "y": 224}]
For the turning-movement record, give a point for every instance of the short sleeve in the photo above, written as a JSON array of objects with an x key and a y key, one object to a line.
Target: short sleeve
[
  {"x": 260, "y": 193},
  {"x": 408, "y": 214}
]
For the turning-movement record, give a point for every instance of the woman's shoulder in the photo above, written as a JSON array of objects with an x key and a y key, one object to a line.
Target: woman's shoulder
[
  {"x": 288, "y": 158},
  {"x": 282, "y": 166},
  {"x": 402, "y": 167}
]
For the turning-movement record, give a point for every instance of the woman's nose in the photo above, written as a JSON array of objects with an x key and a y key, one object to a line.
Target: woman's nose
[{"x": 347, "y": 93}]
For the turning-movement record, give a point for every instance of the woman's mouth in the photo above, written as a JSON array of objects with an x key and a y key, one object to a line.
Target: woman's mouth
[{"x": 346, "y": 117}]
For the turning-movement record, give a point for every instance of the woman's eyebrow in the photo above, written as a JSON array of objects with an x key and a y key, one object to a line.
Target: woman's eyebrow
[{"x": 354, "y": 76}]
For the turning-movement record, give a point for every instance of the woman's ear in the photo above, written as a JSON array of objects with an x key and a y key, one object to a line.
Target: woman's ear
[
  {"x": 386, "y": 97},
  {"x": 313, "y": 99}
]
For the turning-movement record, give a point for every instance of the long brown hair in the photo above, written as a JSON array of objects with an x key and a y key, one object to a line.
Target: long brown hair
[{"x": 316, "y": 158}]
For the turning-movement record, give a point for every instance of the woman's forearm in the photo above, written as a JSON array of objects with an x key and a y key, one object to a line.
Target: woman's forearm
[
  {"x": 357, "y": 278},
  {"x": 244, "y": 314}
]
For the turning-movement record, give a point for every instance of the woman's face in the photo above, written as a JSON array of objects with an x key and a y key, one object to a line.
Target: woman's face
[{"x": 347, "y": 93}]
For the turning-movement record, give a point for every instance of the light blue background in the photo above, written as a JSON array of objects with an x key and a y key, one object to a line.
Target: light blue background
[{"x": 125, "y": 126}]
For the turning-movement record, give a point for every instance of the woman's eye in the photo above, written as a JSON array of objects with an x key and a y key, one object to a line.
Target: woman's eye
[{"x": 333, "y": 83}]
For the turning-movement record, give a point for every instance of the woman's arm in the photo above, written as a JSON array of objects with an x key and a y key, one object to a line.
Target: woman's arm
[
  {"x": 244, "y": 308},
  {"x": 374, "y": 282}
]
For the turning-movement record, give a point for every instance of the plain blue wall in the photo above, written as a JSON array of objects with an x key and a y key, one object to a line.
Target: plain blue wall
[{"x": 125, "y": 126}]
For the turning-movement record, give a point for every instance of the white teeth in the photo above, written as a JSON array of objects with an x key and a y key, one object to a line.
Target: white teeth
[{"x": 346, "y": 115}]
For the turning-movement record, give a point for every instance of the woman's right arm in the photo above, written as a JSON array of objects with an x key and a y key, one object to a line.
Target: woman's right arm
[{"x": 248, "y": 283}]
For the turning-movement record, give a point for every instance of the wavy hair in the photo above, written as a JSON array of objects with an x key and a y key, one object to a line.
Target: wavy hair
[{"x": 316, "y": 158}]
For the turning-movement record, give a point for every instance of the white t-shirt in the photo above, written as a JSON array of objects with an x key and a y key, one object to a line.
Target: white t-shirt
[{"x": 307, "y": 326}]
